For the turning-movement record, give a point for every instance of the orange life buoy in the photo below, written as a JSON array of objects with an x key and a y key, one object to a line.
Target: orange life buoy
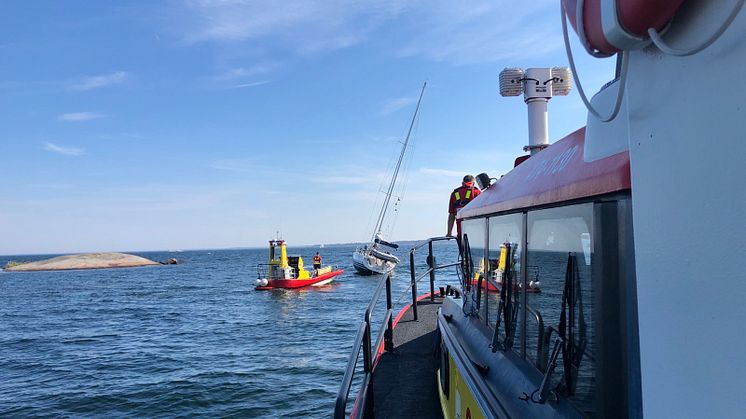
[{"x": 610, "y": 26}]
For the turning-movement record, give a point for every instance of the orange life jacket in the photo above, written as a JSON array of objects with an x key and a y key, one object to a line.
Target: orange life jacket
[{"x": 463, "y": 195}]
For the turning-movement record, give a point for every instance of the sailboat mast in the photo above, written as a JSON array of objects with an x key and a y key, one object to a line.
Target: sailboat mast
[{"x": 390, "y": 191}]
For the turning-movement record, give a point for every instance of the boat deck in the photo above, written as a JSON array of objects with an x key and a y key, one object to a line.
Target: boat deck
[{"x": 404, "y": 381}]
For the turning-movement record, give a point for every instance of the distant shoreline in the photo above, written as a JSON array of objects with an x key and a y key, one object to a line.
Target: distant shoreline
[
  {"x": 290, "y": 245},
  {"x": 81, "y": 261}
]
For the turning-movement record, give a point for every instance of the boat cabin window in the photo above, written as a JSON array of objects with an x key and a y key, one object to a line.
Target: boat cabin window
[
  {"x": 559, "y": 252},
  {"x": 504, "y": 266},
  {"x": 473, "y": 238},
  {"x": 293, "y": 263},
  {"x": 544, "y": 289}
]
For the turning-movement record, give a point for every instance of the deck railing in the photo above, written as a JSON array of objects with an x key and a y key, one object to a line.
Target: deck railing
[
  {"x": 363, "y": 337},
  {"x": 265, "y": 270},
  {"x": 432, "y": 267}
]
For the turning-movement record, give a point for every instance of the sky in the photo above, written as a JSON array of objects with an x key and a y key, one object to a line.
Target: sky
[{"x": 145, "y": 125}]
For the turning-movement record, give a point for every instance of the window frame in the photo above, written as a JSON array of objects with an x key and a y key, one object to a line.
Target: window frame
[{"x": 617, "y": 381}]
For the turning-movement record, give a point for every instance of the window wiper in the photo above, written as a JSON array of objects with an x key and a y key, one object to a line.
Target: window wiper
[
  {"x": 543, "y": 389},
  {"x": 551, "y": 366},
  {"x": 573, "y": 346},
  {"x": 505, "y": 310}
]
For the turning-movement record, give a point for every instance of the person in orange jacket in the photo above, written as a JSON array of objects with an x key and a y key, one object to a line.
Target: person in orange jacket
[
  {"x": 459, "y": 198},
  {"x": 317, "y": 261}
]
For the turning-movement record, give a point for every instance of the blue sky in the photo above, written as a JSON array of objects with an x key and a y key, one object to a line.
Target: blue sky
[{"x": 205, "y": 124}]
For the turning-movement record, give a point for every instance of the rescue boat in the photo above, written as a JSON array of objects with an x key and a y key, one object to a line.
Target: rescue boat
[
  {"x": 621, "y": 328},
  {"x": 492, "y": 275},
  {"x": 283, "y": 271}
]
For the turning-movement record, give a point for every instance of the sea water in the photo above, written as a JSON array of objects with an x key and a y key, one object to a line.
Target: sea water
[{"x": 193, "y": 339}]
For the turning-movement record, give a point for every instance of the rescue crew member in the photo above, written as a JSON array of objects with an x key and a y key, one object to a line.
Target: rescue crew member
[
  {"x": 459, "y": 198},
  {"x": 317, "y": 261}
]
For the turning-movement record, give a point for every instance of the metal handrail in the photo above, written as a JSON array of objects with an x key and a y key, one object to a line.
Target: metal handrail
[
  {"x": 431, "y": 240},
  {"x": 341, "y": 403},
  {"x": 432, "y": 267},
  {"x": 264, "y": 269},
  {"x": 548, "y": 336},
  {"x": 363, "y": 338},
  {"x": 540, "y": 333}
]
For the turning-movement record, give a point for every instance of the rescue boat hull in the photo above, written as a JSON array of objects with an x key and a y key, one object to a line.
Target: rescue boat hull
[
  {"x": 491, "y": 287},
  {"x": 316, "y": 281}
]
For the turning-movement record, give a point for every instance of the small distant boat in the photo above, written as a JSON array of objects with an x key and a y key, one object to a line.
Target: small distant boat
[{"x": 288, "y": 272}]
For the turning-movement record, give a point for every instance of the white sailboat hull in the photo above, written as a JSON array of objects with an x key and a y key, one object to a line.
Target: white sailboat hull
[{"x": 366, "y": 263}]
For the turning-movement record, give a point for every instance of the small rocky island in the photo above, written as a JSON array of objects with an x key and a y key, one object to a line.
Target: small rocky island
[{"x": 84, "y": 261}]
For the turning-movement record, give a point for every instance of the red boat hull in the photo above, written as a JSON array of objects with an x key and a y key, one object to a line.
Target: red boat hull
[
  {"x": 490, "y": 287},
  {"x": 297, "y": 283}
]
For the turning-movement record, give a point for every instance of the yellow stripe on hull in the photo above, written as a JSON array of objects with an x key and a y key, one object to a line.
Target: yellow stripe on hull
[{"x": 460, "y": 403}]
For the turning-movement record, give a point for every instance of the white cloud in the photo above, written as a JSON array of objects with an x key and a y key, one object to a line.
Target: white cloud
[
  {"x": 305, "y": 26},
  {"x": 441, "y": 172},
  {"x": 464, "y": 32},
  {"x": 233, "y": 165},
  {"x": 67, "y": 151},
  {"x": 484, "y": 31},
  {"x": 79, "y": 116},
  {"x": 344, "y": 180},
  {"x": 242, "y": 72},
  {"x": 393, "y": 105},
  {"x": 243, "y": 85},
  {"x": 96, "y": 82},
  {"x": 52, "y": 186}
]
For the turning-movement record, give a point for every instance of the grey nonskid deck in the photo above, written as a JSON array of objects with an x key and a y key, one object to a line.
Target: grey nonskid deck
[{"x": 404, "y": 381}]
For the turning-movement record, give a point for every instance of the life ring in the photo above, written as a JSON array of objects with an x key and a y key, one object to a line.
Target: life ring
[{"x": 609, "y": 26}]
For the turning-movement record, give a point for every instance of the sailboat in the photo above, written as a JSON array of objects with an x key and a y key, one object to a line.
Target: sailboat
[{"x": 376, "y": 256}]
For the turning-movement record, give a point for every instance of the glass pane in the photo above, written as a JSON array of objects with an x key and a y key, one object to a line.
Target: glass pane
[
  {"x": 505, "y": 233},
  {"x": 559, "y": 258},
  {"x": 474, "y": 232}
]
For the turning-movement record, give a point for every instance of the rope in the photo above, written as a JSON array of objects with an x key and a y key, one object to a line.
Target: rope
[
  {"x": 661, "y": 44},
  {"x": 581, "y": 92}
]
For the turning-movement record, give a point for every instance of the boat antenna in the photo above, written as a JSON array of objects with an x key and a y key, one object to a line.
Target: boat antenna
[{"x": 390, "y": 191}]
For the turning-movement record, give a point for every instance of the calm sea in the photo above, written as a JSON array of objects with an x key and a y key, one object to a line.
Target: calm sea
[{"x": 192, "y": 339}]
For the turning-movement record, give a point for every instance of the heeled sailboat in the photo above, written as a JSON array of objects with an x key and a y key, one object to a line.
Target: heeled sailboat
[{"x": 376, "y": 257}]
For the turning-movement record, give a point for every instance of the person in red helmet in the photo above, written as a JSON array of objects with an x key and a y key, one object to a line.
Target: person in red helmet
[{"x": 459, "y": 198}]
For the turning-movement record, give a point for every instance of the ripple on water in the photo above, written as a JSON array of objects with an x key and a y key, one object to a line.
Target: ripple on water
[{"x": 174, "y": 341}]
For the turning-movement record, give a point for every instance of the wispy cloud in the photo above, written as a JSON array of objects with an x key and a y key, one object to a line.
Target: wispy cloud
[
  {"x": 464, "y": 32},
  {"x": 441, "y": 172},
  {"x": 233, "y": 165},
  {"x": 243, "y": 72},
  {"x": 79, "y": 116},
  {"x": 301, "y": 25},
  {"x": 253, "y": 84},
  {"x": 343, "y": 180},
  {"x": 67, "y": 151},
  {"x": 478, "y": 31},
  {"x": 393, "y": 105},
  {"x": 52, "y": 186},
  {"x": 95, "y": 82}
]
